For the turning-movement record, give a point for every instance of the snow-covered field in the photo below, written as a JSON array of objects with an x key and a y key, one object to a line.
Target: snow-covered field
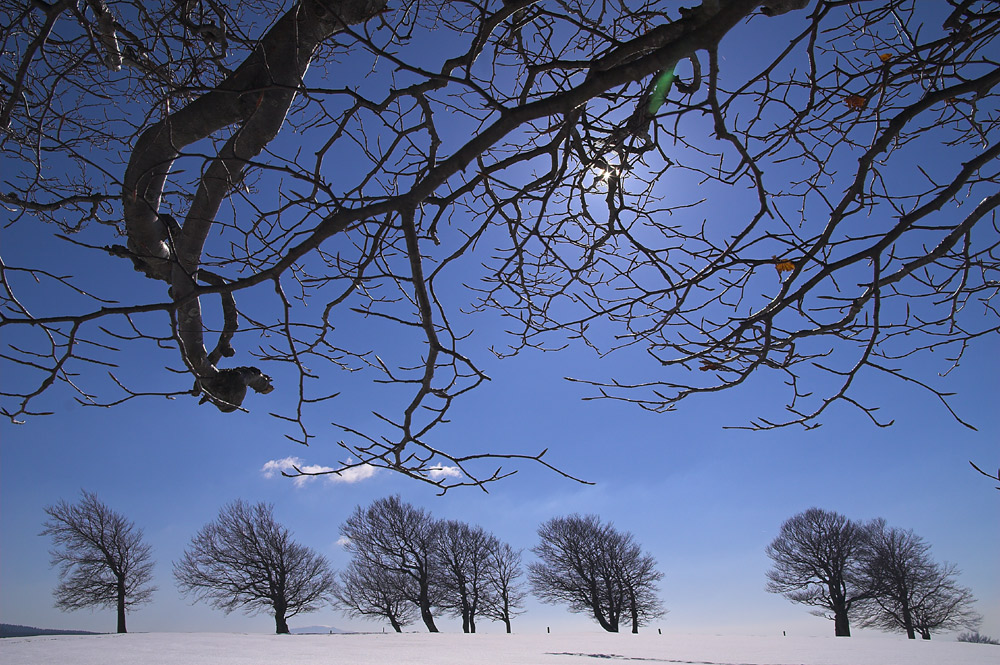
[{"x": 446, "y": 649}]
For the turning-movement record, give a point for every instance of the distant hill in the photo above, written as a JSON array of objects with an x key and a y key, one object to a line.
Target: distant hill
[
  {"x": 315, "y": 630},
  {"x": 12, "y": 630}
]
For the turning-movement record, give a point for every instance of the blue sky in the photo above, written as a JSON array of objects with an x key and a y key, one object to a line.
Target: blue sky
[{"x": 702, "y": 499}]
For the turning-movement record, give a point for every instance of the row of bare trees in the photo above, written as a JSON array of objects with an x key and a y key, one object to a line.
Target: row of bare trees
[
  {"x": 406, "y": 564},
  {"x": 244, "y": 559},
  {"x": 880, "y": 576}
]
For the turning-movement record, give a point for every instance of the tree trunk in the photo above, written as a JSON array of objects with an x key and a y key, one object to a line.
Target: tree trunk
[
  {"x": 425, "y": 614},
  {"x": 472, "y": 624},
  {"x": 280, "y": 625},
  {"x": 634, "y": 608},
  {"x": 841, "y": 623},
  {"x": 605, "y": 624},
  {"x": 908, "y": 621},
  {"x": 595, "y": 604},
  {"x": 121, "y": 606},
  {"x": 395, "y": 624},
  {"x": 925, "y": 634},
  {"x": 506, "y": 622}
]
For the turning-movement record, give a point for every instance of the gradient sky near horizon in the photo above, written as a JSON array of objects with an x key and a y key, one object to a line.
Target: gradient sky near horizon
[{"x": 702, "y": 499}]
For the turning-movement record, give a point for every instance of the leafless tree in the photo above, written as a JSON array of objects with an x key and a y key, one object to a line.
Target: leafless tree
[
  {"x": 369, "y": 590},
  {"x": 818, "y": 557},
  {"x": 564, "y": 160},
  {"x": 595, "y": 569},
  {"x": 463, "y": 561},
  {"x": 974, "y": 637},
  {"x": 910, "y": 591},
  {"x": 506, "y": 596},
  {"x": 101, "y": 557},
  {"x": 944, "y": 604},
  {"x": 401, "y": 540},
  {"x": 246, "y": 560}
]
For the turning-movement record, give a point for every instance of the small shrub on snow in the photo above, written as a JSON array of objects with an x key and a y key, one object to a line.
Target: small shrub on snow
[{"x": 976, "y": 638}]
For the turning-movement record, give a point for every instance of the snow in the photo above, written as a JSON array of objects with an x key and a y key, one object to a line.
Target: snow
[{"x": 484, "y": 649}]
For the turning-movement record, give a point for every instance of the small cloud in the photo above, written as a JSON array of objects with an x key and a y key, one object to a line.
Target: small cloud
[
  {"x": 354, "y": 474},
  {"x": 441, "y": 471},
  {"x": 276, "y": 466},
  {"x": 310, "y": 468},
  {"x": 291, "y": 464},
  {"x": 343, "y": 541}
]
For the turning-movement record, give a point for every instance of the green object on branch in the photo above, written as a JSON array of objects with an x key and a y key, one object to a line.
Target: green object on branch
[{"x": 661, "y": 90}]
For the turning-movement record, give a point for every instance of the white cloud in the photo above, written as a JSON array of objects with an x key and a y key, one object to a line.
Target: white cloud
[
  {"x": 276, "y": 466},
  {"x": 354, "y": 475},
  {"x": 343, "y": 541},
  {"x": 441, "y": 471},
  {"x": 290, "y": 464}
]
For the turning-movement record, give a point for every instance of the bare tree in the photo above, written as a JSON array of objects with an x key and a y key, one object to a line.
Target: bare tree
[
  {"x": 463, "y": 562},
  {"x": 638, "y": 577},
  {"x": 944, "y": 604},
  {"x": 818, "y": 557},
  {"x": 595, "y": 569},
  {"x": 369, "y": 590},
  {"x": 506, "y": 596},
  {"x": 401, "y": 540},
  {"x": 101, "y": 557},
  {"x": 521, "y": 148},
  {"x": 910, "y": 591},
  {"x": 246, "y": 560},
  {"x": 973, "y": 637}
]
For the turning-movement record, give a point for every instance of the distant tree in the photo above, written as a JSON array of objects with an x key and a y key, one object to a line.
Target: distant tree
[
  {"x": 101, "y": 557},
  {"x": 246, "y": 560},
  {"x": 974, "y": 637},
  {"x": 817, "y": 561},
  {"x": 506, "y": 595},
  {"x": 638, "y": 576},
  {"x": 367, "y": 590},
  {"x": 944, "y": 604},
  {"x": 595, "y": 569},
  {"x": 402, "y": 540},
  {"x": 909, "y": 590},
  {"x": 463, "y": 559}
]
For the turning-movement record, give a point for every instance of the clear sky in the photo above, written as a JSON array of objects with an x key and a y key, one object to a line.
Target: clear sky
[{"x": 704, "y": 500}]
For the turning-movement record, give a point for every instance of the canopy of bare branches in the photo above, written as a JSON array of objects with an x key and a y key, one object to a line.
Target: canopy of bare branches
[
  {"x": 873, "y": 574},
  {"x": 295, "y": 197},
  {"x": 245, "y": 560},
  {"x": 101, "y": 556},
  {"x": 595, "y": 569}
]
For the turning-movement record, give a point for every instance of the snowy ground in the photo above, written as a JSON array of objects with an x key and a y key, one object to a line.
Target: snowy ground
[{"x": 447, "y": 649}]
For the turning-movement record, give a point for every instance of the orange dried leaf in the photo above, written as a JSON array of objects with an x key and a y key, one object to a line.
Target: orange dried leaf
[
  {"x": 708, "y": 366},
  {"x": 885, "y": 57},
  {"x": 855, "y": 102},
  {"x": 784, "y": 266}
]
